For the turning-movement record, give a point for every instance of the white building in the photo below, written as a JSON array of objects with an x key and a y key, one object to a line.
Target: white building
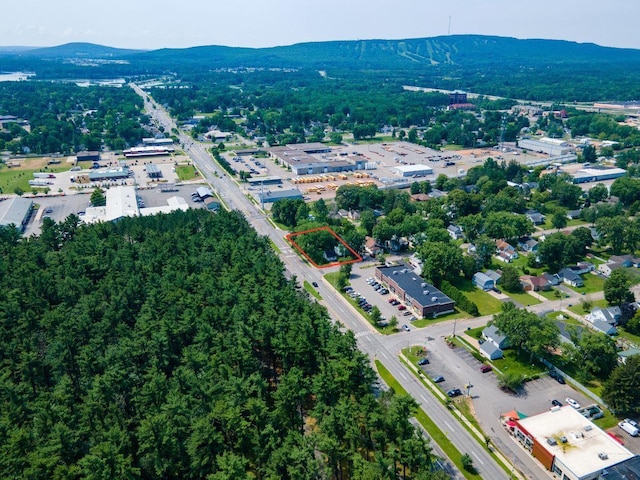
[
  {"x": 413, "y": 170},
  {"x": 549, "y": 147},
  {"x": 568, "y": 444}
]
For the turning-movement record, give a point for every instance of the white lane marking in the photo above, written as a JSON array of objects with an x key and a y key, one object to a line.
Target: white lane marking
[
  {"x": 423, "y": 398},
  {"x": 402, "y": 375},
  {"x": 474, "y": 454},
  {"x": 384, "y": 354},
  {"x": 450, "y": 427}
]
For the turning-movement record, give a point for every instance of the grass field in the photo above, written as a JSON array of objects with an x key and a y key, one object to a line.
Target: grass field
[
  {"x": 430, "y": 321},
  {"x": 312, "y": 291},
  {"x": 487, "y": 305},
  {"x": 594, "y": 304},
  {"x": 518, "y": 363},
  {"x": 523, "y": 298},
  {"x": 18, "y": 177},
  {"x": 592, "y": 284},
  {"x": 186, "y": 172}
]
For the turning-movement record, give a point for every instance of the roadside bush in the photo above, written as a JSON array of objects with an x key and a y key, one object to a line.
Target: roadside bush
[
  {"x": 461, "y": 300},
  {"x": 510, "y": 382}
]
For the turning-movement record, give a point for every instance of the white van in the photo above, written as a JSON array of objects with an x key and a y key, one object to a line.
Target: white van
[{"x": 629, "y": 428}]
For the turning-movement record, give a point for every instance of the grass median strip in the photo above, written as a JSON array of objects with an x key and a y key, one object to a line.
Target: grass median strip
[{"x": 434, "y": 431}]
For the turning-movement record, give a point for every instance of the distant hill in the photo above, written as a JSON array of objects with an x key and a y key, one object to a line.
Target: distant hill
[
  {"x": 453, "y": 50},
  {"x": 78, "y": 50}
]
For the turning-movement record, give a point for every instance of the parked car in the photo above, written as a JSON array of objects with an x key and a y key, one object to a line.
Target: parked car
[
  {"x": 406, "y": 313},
  {"x": 572, "y": 402},
  {"x": 315, "y": 284},
  {"x": 629, "y": 428},
  {"x": 454, "y": 392},
  {"x": 401, "y": 307},
  {"x": 438, "y": 379},
  {"x": 557, "y": 377},
  {"x": 423, "y": 361},
  {"x": 485, "y": 368},
  {"x": 556, "y": 403},
  {"x": 406, "y": 328}
]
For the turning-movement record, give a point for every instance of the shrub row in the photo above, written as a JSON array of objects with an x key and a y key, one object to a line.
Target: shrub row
[{"x": 461, "y": 301}]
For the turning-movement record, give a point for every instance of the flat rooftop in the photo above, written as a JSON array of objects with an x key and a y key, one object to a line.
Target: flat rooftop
[
  {"x": 415, "y": 286},
  {"x": 584, "y": 440}
]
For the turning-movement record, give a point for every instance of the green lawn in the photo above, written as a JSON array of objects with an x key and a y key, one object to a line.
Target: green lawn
[
  {"x": 312, "y": 291},
  {"x": 487, "y": 305},
  {"x": 551, "y": 294},
  {"x": 592, "y": 284},
  {"x": 523, "y": 298},
  {"x": 458, "y": 314},
  {"x": 629, "y": 336},
  {"x": 594, "y": 303},
  {"x": 521, "y": 264},
  {"x": 518, "y": 363},
  {"x": 13, "y": 178},
  {"x": 429, "y": 425},
  {"x": 186, "y": 172}
]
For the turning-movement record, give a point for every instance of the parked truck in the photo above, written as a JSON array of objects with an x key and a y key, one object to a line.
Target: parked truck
[{"x": 629, "y": 428}]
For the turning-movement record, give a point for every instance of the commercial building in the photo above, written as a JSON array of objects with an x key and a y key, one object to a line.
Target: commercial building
[
  {"x": 421, "y": 297},
  {"x": 413, "y": 170},
  {"x": 15, "y": 211},
  {"x": 550, "y": 146},
  {"x": 135, "y": 152},
  {"x": 569, "y": 445},
  {"x": 153, "y": 171},
  {"x": 587, "y": 175},
  {"x": 301, "y": 160},
  {"x": 274, "y": 196},
  {"x": 123, "y": 202},
  {"x": 157, "y": 142}
]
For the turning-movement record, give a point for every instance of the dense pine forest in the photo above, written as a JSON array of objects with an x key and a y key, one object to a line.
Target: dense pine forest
[{"x": 173, "y": 347}]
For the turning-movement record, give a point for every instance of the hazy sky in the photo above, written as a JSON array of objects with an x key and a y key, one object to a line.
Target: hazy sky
[{"x": 259, "y": 23}]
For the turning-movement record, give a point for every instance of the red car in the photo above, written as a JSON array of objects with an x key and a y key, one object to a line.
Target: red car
[
  {"x": 485, "y": 368},
  {"x": 401, "y": 307}
]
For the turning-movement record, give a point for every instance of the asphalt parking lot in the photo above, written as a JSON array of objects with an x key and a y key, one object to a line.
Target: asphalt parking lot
[
  {"x": 59, "y": 207},
  {"x": 359, "y": 284}
]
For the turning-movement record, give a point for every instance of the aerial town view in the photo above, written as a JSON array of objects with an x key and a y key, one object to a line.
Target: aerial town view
[{"x": 239, "y": 243}]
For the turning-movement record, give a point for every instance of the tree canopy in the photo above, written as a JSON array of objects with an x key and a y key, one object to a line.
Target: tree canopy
[{"x": 173, "y": 346}]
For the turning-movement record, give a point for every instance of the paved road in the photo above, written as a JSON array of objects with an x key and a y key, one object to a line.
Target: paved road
[{"x": 383, "y": 348}]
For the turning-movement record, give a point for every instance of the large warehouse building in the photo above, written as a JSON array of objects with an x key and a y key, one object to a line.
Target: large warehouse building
[
  {"x": 550, "y": 146},
  {"x": 299, "y": 158},
  {"x": 413, "y": 170},
  {"x": 15, "y": 211},
  {"x": 569, "y": 445},
  {"x": 587, "y": 175},
  {"x": 422, "y": 298}
]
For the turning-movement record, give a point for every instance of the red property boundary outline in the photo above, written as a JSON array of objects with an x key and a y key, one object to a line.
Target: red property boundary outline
[{"x": 290, "y": 238}]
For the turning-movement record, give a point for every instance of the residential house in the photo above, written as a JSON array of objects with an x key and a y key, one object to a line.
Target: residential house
[
  {"x": 536, "y": 217},
  {"x": 455, "y": 232},
  {"x": 625, "y": 260},
  {"x": 490, "y": 351},
  {"x": 354, "y": 215},
  {"x": 624, "y": 354},
  {"x": 528, "y": 244},
  {"x": 610, "y": 315},
  {"x": 483, "y": 281},
  {"x": 330, "y": 255},
  {"x": 505, "y": 251},
  {"x": 574, "y": 214},
  {"x": 570, "y": 277},
  {"x": 553, "y": 280},
  {"x": 604, "y": 327},
  {"x": 494, "y": 275},
  {"x": 535, "y": 284},
  {"x": 583, "y": 267},
  {"x": 492, "y": 335},
  {"x": 618, "y": 261},
  {"x": 371, "y": 246},
  {"x": 606, "y": 269}
]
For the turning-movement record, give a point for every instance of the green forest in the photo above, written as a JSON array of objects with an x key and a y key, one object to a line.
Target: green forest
[
  {"x": 174, "y": 347},
  {"x": 66, "y": 118}
]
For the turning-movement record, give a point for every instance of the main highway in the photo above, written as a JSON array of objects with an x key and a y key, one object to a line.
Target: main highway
[{"x": 382, "y": 348}]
